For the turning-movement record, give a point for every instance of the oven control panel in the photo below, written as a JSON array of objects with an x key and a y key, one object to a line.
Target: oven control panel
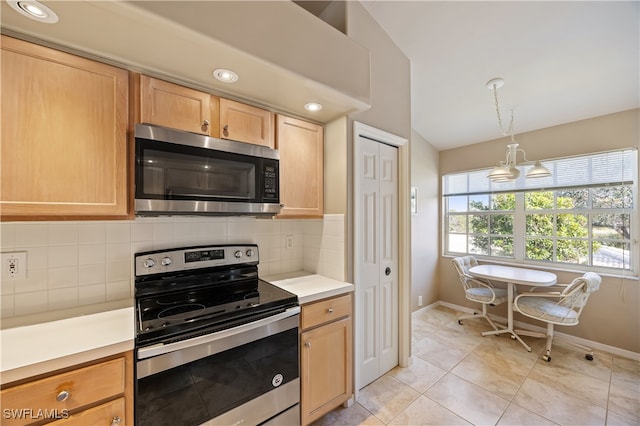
[{"x": 185, "y": 258}]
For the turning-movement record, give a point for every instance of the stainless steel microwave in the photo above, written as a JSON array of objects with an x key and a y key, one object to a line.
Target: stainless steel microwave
[{"x": 180, "y": 173}]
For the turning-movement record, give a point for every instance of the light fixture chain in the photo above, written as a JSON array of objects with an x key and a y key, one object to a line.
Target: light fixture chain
[{"x": 510, "y": 131}]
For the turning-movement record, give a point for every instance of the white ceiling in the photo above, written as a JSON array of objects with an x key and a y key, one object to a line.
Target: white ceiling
[{"x": 561, "y": 61}]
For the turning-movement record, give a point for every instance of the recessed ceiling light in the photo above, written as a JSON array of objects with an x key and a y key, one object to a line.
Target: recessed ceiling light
[
  {"x": 313, "y": 106},
  {"x": 226, "y": 76},
  {"x": 34, "y": 10}
]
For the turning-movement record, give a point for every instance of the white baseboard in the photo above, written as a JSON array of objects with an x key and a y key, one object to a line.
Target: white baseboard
[{"x": 525, "y": 326}]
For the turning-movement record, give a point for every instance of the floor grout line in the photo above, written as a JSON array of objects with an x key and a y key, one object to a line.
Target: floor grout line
[{"x": 436, "y": 325}]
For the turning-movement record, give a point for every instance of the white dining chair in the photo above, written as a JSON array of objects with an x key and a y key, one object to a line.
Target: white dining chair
[
  {"x": 562, "y": 307},
  {"x": 478, "y": 290}
]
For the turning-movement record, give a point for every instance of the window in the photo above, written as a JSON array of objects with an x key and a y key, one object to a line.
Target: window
[{"x": 584, "y": 215}]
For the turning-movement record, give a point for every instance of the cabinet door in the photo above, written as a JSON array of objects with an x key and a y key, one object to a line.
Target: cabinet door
[
  {"x": 64, "y": 135},
  {"x": 110, "y": 414},
  {"x": 246, "y": 123},
  {"x": 171, "y": 105},
  {"x": 301, "y": 146},
  {"x": 325, "y": 367}
]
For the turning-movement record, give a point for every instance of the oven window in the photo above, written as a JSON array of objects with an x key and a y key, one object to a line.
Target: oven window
[
  {"x": 172, "y": 175},
  {"x": 193, "y": 393}
]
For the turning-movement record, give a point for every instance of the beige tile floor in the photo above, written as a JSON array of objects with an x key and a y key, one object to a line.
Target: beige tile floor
[{"x": 458, "y": 377}]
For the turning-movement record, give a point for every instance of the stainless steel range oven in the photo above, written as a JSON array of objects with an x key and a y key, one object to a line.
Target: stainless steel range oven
[{"x": 214, "y": 343}]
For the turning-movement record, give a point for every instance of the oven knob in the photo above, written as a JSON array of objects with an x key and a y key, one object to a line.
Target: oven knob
[
  {"x": 149, "y": 263},
  {"x": 166, "y": 261},
  {"x": 238, "y": 254},
  {"x": 249, "y": 253}
]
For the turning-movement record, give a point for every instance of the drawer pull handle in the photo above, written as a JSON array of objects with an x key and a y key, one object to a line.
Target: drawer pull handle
[
  {"x": 330, "y": 310},
  {"x": 116, "y": 421},
  {"x": 307, "y": 344},
  {"x": 63, "y": 396}
]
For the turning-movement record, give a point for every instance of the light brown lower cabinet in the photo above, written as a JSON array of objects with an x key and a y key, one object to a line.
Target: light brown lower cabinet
[
  {"x": 325, "y": 356},
  {"x": 99, "y": 393},
  {"x": 110, "y": 413}
]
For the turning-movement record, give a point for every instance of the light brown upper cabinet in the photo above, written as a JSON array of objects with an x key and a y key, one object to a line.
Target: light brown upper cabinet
[
  {"x": 64, "y": 135},
  {"x": 301, "y": 146},
  {"x": 177, "y": 107},
  {"x": 246, "y": 123}
]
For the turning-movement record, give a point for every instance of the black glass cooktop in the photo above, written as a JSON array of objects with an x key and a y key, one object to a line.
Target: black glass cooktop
[{"x": 183, "y": 306}]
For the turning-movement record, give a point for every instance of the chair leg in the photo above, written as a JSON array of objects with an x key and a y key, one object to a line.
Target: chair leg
[
  {"x": 547, "y": 351},
  {"x": 484, "y": 315},
  {"x": 549, "y": 336}
]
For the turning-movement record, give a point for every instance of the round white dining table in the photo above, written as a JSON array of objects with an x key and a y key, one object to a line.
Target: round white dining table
[{"x": 513, "y": 275}]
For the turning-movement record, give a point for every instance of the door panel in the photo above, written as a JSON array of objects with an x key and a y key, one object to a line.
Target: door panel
[
  {"x": 369, "y": 345},
  {"x": 388, "y": 190},
  {"x": 370, "y": 225},
  {"x": 376, "y": 221}
]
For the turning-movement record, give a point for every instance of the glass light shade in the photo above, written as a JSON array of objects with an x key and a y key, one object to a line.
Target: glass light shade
[
  {"x": 514, "y": 173},
  {"x": 499, "y": 172},
  {"x": 504, "y": 174},
  {"x": 538, "y": 171}
]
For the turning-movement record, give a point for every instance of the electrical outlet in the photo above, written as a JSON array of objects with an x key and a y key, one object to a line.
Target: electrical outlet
[
  {"x": 419, "y": 300},
  {"x": 14, "y": 265},
  {"x": 288, "y": 242}
]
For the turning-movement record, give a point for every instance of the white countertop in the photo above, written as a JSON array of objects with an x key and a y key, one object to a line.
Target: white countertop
[
  {"x": 31, "y": 350},
  {"x": 40, "y": 348},
  {"x": 310, "y": 287}
]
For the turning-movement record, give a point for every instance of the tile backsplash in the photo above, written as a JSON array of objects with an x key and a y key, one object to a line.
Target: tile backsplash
[{"x": 76, "y": 264}]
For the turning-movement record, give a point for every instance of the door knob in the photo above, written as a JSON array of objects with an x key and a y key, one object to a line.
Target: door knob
[{"x": 387, "y": 271}]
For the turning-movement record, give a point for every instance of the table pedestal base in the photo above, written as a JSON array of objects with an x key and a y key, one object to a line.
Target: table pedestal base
[{"x": 509, "y": 328}]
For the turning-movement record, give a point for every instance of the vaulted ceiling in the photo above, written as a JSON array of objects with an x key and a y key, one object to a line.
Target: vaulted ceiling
[{"x": 561, "y": 61}]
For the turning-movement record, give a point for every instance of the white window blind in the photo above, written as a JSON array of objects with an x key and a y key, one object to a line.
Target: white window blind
[{"x": 613, "y": 167}]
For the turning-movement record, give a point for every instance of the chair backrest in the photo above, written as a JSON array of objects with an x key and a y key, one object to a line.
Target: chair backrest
[
  {"x": 577, "y": 293},
  {"x": 462, "y": 265}
]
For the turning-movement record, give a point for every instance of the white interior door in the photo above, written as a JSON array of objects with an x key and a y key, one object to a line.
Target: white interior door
[{"x": 376, "y": 258}]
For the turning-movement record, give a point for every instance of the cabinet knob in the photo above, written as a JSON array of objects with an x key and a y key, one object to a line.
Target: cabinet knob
[
  {"x": 116, "y": 421},
  {"x": 225, "y": 130},
  {"x": 330, "y": 310},
  {"x": 63, "y": 396},
  {"x": 307, "y": 344}
]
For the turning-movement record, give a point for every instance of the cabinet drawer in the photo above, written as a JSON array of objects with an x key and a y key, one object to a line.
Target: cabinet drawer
[
  {"x": 325, "y": 311},
  {"x": 110, "y": 414},
  {"x": 84, "y": 386}
]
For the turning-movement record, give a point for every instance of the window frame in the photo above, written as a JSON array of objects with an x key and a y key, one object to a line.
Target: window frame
[{"x": 519, "y": 225}]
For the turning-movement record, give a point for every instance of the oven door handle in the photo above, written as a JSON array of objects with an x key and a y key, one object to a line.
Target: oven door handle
[{"x": 161, "y": 348}]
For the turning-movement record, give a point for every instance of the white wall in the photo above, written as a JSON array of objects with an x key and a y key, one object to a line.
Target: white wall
[{"x": 425, "y": 241}]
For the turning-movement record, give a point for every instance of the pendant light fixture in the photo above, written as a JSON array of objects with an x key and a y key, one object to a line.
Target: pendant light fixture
[{"x": 507, "y": 170}]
